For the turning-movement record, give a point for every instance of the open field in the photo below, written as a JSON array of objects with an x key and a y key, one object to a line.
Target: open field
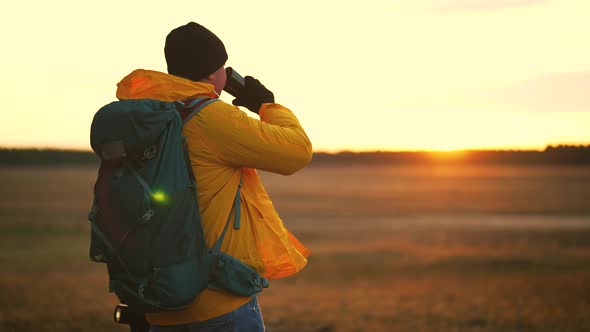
[{"x": 407, "y": 248}]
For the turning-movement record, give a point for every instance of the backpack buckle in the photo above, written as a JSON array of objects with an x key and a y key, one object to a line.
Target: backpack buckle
[
  {"x": 150, "y": 151},
  {"x": 262, "y": 282},
  {"x": 147, "y": 216}
]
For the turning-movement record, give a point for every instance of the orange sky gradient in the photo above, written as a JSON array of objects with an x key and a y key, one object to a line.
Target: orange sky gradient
[{"x": 371, "y": 75}]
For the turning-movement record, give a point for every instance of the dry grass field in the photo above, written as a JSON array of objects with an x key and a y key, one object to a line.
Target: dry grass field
[{"x": 403, "y": 248}]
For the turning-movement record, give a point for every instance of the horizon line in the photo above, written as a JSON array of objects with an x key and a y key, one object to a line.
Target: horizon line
[{"x": 62, "y": 149}]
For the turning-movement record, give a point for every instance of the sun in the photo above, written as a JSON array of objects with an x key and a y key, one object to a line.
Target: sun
[{"x": 446, "y": 145}]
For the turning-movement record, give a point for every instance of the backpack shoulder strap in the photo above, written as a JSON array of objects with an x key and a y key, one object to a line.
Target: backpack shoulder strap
[{"x": 190, "y": 107}]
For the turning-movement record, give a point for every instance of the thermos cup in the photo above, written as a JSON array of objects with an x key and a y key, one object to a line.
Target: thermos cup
[{"x": 235, "y": 83}]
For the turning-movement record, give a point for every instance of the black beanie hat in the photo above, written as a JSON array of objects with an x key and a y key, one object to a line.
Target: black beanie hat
[{"x": 193, "y": 52}]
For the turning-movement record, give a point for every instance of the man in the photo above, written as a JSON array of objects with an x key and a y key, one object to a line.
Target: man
[{"x": 226, "y": 146}]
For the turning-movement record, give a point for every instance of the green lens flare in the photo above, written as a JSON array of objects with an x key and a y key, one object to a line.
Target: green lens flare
[{"x": 160, "y": 197}]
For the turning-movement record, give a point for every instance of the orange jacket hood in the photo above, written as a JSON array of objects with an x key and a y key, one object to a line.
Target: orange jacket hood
[{"x": 150, "y": 84}]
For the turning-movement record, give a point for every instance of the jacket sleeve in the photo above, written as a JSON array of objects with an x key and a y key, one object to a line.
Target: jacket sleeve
[{"x": 275, "y": 143}]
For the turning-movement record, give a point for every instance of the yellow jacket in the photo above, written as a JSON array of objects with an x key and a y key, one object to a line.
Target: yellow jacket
[{"x": 224, "y": 143}]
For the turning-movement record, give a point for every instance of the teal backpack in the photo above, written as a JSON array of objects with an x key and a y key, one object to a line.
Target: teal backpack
[{"x": 145, "y": 221}]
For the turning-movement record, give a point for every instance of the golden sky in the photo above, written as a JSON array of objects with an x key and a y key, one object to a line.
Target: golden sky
[{"x": 389, "y": 75}]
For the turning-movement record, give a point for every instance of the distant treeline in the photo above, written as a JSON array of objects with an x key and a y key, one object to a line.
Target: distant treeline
[
  {"x": 552, "y": 155},
  {"x": 47, "y": 157}
]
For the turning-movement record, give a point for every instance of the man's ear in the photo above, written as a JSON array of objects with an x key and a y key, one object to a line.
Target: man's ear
[{"x": 207, "y": 79}]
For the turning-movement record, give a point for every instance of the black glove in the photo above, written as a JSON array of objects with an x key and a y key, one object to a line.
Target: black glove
[{"x": 253, "y": 95}]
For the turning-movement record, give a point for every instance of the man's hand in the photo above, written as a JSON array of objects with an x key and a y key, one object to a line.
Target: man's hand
[{"x": 253, "y": 95}]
